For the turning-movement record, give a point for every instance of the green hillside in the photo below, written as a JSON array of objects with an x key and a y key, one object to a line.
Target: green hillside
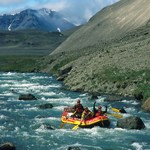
[
  {"x": 110, "y": 54},
  {"x": 21, "y": 51},
  {"x": 29, "y": 42}
]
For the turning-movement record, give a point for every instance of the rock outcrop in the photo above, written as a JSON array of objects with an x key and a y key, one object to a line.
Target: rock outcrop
[
  {"x": 45, "y": 106},
  {"x": 73, "y": 148},
  {"x": 131, "y": 122},
  {"x": 146, "y": 105},
  {"x": 27, "y": 97},
  {"x": 7, "y": 146}
]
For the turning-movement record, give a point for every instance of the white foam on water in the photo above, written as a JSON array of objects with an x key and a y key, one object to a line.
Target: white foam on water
[
  {"x": 147, "y": 124},
  {"x": 120, "y": 129},
  {"x": 135, "y": 103},
  {"x": 2, "y": 102},
  {"x": 41, "y": 129},
  {"x": 9, "y": 74},
  {"x": 137, "y": 146},
  {"x": 28, "y": 85},
  {"x": 61, "y": 108},
  {"x": 7, "y": 94},
  {"x": 83, "y": 95},
  {"x": 2, "y": 128},
  {"x": 130, "y": 109},
  {"x": 65, "y": 100},
  {"x": 7, "y": 110},
  {"x": 31, "y": 109},
  {"x": 2, "y": 117},
  {"x": 53, "y": 118},
  {"x": 25, "y": 134},
  {"x": 40, "y": 77},
  {"x": 17, "y": 129},
  {"x": 7, "y": 81},
  {"x": 5, "y": 85},
  {"x": 48, "y": 118},
  {"x": 48, "y": 93}
]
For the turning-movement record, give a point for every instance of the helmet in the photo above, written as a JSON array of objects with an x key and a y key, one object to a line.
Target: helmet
[
  {"x": 85, "y": 108},
  {"x": 99, "y": 107},
  {"x": 78, "y": 101}
]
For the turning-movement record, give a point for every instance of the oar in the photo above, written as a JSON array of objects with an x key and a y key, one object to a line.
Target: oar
[
  {"x": 75, "y": 127},
  {"x": 115, "y": 109},
  {"x": 118, "y": 110},
  {"x": 61, "y": 126},
  {"x": 116, "y": 115}
]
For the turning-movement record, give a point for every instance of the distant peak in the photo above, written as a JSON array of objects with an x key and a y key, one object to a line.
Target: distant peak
[{"x": 46, "y": 10}]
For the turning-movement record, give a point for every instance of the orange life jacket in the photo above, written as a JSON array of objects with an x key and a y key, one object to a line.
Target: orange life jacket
[
  {"x": 99, "y": 113},
  {"x": 79, "y": 108}
]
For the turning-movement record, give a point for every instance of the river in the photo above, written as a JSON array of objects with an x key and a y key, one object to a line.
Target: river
[{"x": 22, "y": 122}]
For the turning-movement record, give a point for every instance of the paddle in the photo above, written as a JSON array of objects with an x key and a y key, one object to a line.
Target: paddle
[
  {"x": 75, "y": 127},
  {"x": 61, "y": 126},
  {"x": 115, "y": 115},
  {"x": 122, "y": 110},
  {"x": 115, "y": 109}
]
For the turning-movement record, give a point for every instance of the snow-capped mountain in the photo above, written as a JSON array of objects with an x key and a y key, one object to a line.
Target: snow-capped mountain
[{"x": 43, "y": 19}]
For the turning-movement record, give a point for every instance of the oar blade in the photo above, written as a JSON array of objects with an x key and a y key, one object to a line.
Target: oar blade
[
  {"x": 75, "y": 127},
  {"x": 115, "y": 109},
  {"x": 119, "y": 116},
  {"x": 62, "y": 125}
]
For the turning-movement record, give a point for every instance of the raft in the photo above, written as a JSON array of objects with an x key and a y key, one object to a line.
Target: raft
[{"x": 101, "y": 121}]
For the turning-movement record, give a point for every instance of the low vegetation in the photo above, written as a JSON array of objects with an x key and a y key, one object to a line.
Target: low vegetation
[{"x": 19, "y": 63}]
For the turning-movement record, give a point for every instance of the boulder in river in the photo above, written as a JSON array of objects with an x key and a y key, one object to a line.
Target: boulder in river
[
  {"x": 27, "y": 97},
  {"x": 49, "y": 127},
  {"x": 146, "y": 105},
  {"x": 45, "y": 106},
  {"x": 7, "y": 146},
  {"x": 73, "y": 148},
  {"x": 131, "y": 122},
  {"x": 93, "y": 96}
]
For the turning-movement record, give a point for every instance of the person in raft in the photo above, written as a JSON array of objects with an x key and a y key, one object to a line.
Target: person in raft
[
  {"x": 87, "y": 114},
  {"x": 98, "y": 112},
  {"x": 78, "y": 107}
]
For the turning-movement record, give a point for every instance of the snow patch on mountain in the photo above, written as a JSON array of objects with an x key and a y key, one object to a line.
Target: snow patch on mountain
[
  {"x": 9, "y": 28},
  {"x": 58, "y": 29}
]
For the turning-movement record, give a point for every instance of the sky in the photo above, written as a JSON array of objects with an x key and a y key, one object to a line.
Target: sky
[{"x": 77, "y": 11}]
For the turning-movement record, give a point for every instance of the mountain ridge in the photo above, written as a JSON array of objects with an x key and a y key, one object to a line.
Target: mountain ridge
[{"x": 42, "y": 19}]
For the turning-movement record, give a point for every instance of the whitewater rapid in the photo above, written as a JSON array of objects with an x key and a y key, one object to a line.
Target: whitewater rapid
[{"x": 23, "y": 123}]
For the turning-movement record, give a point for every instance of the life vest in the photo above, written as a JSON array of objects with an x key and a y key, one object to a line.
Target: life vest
[
  {"x": 86, "y": 114},
  {"x": 99, "y": 113},
  {"x": 79, "y": 108}
]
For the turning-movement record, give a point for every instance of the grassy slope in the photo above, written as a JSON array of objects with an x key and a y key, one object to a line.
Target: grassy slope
[
  {"x": 108, "y": 54},
  {"x": 120, "y": 67},
  {"x": 21, "y": 50},
  {"x": 19, "y": 63},
  {"x": 110, "y": 23},
  {"x": 29, "y": 42}
]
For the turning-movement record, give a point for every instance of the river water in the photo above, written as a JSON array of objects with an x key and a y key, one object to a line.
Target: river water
[{"x": 23, "y": 123}]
